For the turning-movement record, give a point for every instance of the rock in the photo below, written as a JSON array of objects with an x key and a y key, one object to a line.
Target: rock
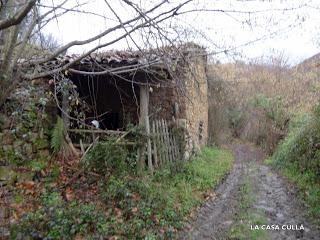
[
  {"x": 182, "y": 123},
  {"x": 227, "y": 223},
  {"x": 4, "y": 121},
  {"x": 6, "y": 173},
  {"x": 34, "y": 136},
  {"x": 7, "y": 148},
  {"x": 44, "y": 153},
  {"x": 27, "y": 149},
  {"x": 7, "y": 138},
  {"x": 40, "y": 144},
  {"x": 17, "y": 144}
]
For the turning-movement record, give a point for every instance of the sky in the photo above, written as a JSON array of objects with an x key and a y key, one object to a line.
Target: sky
[{"x": 229, "y": 29}]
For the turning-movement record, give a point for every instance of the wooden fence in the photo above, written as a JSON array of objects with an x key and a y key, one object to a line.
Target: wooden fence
[{"x": 165, "y": 144}]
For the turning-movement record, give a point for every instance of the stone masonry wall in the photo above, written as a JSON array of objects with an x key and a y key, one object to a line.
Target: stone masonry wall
[
  {"x": 25, "y": 120},
  {"x": 166, "y": 103},
  {"x": 197, "y": 102},
  {"x": 187, "y": 108}
]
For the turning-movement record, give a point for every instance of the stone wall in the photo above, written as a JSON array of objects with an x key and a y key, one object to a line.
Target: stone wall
[
  {"x": 25, "y": 121},
  {"x": 29, "y": 114},
  {"x": 197, "y": 101},
  {"x": 186, "y": 105},
  {"x": 166, "y": 103}
]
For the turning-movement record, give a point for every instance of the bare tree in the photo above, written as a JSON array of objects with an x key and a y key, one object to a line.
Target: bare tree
[
  {"x": 23, "y": 20},
  {"x": 148, "y": 24}
]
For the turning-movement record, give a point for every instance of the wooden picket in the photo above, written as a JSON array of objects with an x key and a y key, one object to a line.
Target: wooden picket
[
  {"x": 164, "y": 143},
  {"x": 164, "y": 149}
]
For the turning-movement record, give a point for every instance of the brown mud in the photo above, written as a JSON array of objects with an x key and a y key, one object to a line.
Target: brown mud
[{"x": 273, "y": 196}]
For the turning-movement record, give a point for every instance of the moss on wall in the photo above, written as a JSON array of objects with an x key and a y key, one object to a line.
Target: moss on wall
[{"x": 25, "y": 128}]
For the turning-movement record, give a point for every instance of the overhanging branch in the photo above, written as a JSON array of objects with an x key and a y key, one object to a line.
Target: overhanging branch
[{"x": 17, "y": 18}]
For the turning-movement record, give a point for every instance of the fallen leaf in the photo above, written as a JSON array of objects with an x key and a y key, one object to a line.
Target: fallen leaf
[
  {"x": 28, "y": 185},
  {"x": 78, "y": 237},
  {"x": 134, "y": 210},
  {"x": 118, "y": 212},
  {"x": 69, "y": 194},
  {"x": 113, "y": 238}
]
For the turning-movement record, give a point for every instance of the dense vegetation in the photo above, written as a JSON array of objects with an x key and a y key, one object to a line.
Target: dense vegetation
[
  {"x": 256, "y": 101},
  {"x": 273, "y": 106},
  {"x": 123, "y": 204},
  {"x": 298, "y": 157}
]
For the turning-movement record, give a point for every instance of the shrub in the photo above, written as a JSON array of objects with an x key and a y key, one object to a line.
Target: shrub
[
  {"x": 274, "y": 109},
  {"x": 298, "y": 156},
  {"x": 106, "y": 158},
  {"x": 301, "y": 147},
  {"x": 265, "y": 121},
  {"x": 60, "y": 220},
  {"x": 237, "y": 119}
]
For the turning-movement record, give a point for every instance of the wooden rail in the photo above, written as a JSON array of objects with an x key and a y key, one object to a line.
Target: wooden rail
[{"x": 97, "y": 131}]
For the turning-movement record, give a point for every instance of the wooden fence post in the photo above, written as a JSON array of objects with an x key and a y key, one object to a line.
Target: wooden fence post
[
  {"x": 145, "y": 123},
  {"x": 155, "y": 143}
]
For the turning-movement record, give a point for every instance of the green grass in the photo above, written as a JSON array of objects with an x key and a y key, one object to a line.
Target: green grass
[
  {"x": 298, "y": 158},
  {"x": 246, "y": 216},
  {"x": 148, "y": 207}
]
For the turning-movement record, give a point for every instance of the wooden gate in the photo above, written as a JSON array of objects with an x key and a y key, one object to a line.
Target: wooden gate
[{"x": 165, "y": 144}]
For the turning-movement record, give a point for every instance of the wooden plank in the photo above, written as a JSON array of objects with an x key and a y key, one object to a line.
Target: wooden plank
[
  {"x": 85, "y": 145},
  {"x": 163, "y": 142},
  {"x": 171, "y": 148},
  {"x": 97, "y": 131},
  {"x": 176, "y": 148},
  {"x": 167, "y": 143},
  {"x": 81, "y": 146},
  {"x": 159, "y": 138},
  {"x": 154, "y": 140}
]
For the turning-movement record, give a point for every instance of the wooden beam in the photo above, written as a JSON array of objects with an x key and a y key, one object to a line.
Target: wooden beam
[
  {"x": 144, "y": 122},
  {"x": 97, "y": 131}
]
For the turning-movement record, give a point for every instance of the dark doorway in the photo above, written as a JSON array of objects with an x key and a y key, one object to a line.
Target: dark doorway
[{"x": 113, "y": 101}]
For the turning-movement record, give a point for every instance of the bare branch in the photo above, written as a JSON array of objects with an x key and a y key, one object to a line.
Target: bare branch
[
  {"x": 98, "y": 36},
  {"x": 17, "y": 18},
  {"x": 156, "y": 19}
]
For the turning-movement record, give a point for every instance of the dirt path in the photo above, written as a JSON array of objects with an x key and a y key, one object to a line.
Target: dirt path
[{"x": 268, "y": 200}]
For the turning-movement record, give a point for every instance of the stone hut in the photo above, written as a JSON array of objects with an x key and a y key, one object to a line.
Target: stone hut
[{"x": 121, "y": 88}]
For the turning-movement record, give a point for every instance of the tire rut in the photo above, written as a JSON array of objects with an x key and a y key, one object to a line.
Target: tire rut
[{"x": 273, "y": 197}]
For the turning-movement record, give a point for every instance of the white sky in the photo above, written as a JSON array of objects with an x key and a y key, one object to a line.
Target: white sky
[{"x": 285, "y": 26}]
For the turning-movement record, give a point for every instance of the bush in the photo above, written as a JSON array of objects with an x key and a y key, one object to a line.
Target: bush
[
  {"x": 298, "y": 157},
  {"x": 274, "y": 109},
  {"x": 139, "y": 207},
  {"x": 263, "y": 123},
  {"x": 301, "y": 148},
  {"x": 59, "y": 220},
  {"x": 106, "y": 158},
  {"x": 237, "y": 118}
]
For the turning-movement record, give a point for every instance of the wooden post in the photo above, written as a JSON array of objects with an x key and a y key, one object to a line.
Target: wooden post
[
  {"x": 144, "y": 122},
  {"x": 155, "y": 142}
]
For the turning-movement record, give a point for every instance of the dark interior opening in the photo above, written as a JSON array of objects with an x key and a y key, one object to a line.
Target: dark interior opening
[{"x": 113, "y": 101}]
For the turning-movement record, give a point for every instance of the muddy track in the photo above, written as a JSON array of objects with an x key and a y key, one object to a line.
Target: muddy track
[{"x": 273, "y": 197}]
